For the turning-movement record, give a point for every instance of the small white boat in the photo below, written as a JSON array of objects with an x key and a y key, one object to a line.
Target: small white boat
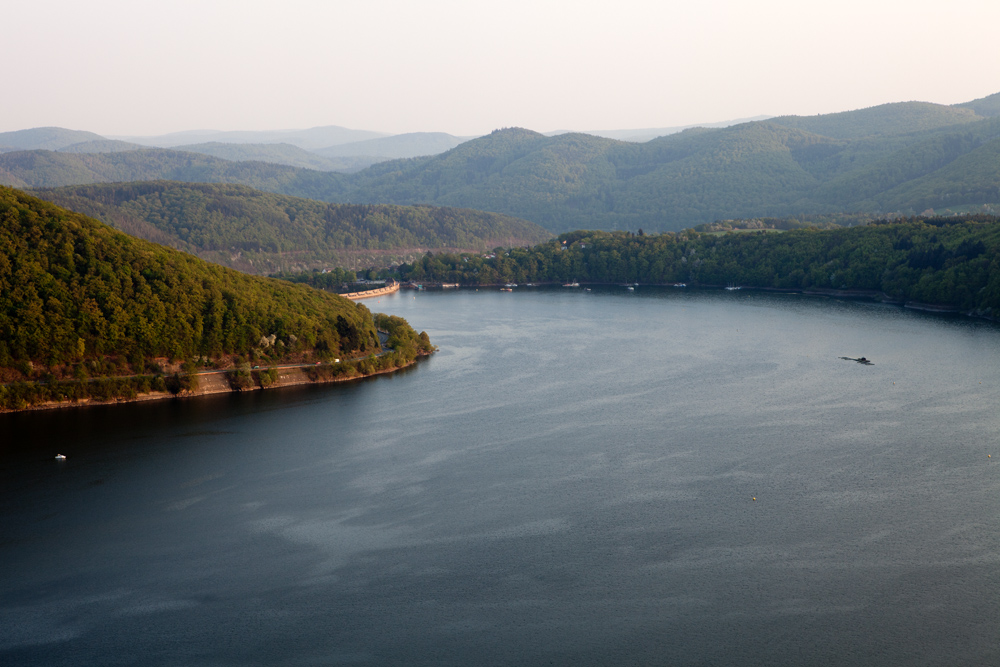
[
  {"x": 571, "y": 285},
  {"x": 631, "y": 289},
  {"x": 60, "y": 457}
]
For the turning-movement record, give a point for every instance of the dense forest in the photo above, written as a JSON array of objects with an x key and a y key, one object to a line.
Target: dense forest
[
  {"x": 260, "y": 232},
  {"x": 79, "y": 299},
  {"x": 950, "y": 262},
  {"x": 902, "y": 158}
]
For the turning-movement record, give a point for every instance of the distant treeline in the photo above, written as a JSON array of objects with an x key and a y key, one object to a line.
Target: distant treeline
[{"x": 948, "y": 261}]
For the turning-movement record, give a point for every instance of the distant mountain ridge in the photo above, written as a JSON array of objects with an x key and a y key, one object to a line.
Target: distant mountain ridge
[
  {"x": 894, "y": 158},
  {"x": 44, "y": 169},
  {"x": 885, "y": 119},
  {"x": 287, "y": 154},
  {"x": 46, "y": 138},
  {"x": 102, "y": 146},
  {"x": 988, "y": 106},
  {"x": 647, "y": 134},
  {"x": 413, "y": 144},
  {"x": 308, "y": 139}
]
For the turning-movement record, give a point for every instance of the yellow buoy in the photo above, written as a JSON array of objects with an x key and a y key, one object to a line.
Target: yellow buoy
[{"x": 755, "y": 498}]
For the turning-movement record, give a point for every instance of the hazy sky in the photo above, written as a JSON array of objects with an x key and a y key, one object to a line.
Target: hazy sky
[{"x": 468, "y": 67}]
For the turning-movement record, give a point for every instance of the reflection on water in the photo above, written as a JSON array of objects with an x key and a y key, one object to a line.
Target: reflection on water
[{"x": 570, "y": 480}]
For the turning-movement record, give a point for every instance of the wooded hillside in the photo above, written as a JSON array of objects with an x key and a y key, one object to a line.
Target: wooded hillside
[
  {"x": 262, "y": 233},
  {"x": 73, "y": 290}
]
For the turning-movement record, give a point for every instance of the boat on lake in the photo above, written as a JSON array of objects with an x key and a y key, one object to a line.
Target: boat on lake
[
  {"x": 574, "y": 284},
  {"x": 860, "y": 360}
]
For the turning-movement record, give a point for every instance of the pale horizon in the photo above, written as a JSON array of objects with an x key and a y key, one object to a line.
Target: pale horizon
[{"x": 144, "y": 69}]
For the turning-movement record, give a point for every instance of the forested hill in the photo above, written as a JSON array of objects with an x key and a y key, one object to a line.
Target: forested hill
[
  {"x": 884, "y": 120},
  {"x": 900, "y": 158},
  {"x": 949, "y": 262},
  {"x": 76, "y": 294},
  {"x": 701, "y": 175},
  {"x": 261, "y": 232},
  {"x": 988, "y": 106}
]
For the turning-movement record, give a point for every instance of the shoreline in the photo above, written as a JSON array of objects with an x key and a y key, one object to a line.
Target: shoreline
[
  {"x": 213, "y": 384},
  {"x": 872, "y": 295}
]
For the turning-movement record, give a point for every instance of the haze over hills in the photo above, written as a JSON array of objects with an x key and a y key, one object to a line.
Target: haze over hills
[
  {"x": 309, "y": 139},
  {"x": 413, "y": 144},
  {"x": 260, "y": 232},
  {"x": 288, "y": 154},
  {"x": 647, "y": 134},
  {"x": 894, "y": 158}
]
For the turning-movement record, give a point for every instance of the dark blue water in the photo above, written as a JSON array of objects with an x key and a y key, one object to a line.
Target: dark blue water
[{"x": 569, "y": 481}]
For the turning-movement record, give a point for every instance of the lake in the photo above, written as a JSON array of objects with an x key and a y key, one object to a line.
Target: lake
[{"x": 575, "y": 478}]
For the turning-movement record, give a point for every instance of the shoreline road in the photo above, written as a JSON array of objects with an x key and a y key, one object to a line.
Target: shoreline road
[{"x": 383, "y": 339}]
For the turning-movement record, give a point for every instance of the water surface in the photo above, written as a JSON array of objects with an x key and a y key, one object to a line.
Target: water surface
[{"x": 570, "y": 480}]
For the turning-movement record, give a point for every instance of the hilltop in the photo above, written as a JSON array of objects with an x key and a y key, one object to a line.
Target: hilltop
[
  {"x": 101, "y": 146},
  {"x": 260, "y": 232},
  {"x": 988, "y": 106},
  {"x": 885, "y": 119},
  {"x": 46, "y": 138}
]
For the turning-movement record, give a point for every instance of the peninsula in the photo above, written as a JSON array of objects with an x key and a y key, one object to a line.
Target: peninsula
[{"x": 89, "y": 313}]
